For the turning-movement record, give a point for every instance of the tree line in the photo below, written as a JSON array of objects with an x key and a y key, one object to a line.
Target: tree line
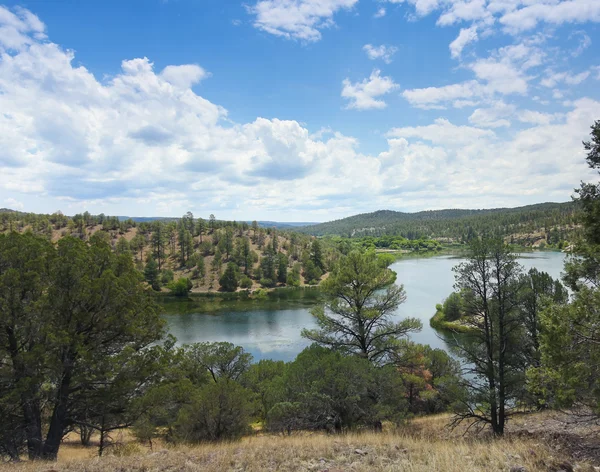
[{"x": 556, "y": 223}]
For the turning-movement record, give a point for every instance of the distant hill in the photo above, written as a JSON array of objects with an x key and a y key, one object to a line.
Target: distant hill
[
  {"x": 456, "y": 224},
  {"x": 264, "y": 224}
]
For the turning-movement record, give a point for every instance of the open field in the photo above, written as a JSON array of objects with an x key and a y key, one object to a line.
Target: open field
[{"x": 423, "y": 445}]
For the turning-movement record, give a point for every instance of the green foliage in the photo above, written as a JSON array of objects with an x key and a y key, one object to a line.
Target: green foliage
[
  {"x": 358, "y": 314},
  {"x": 460, "y": 225},
  {"x": 218, "y": 411},
  {"x": 245, "y": 282},
  {"x": 453, "y": 307},
  {"x": 495, "y": 348},
  {"x": 152, "y": 275},
  {"x": 230, "y": 279},
  {"x": 77, "y": 329},
  {"x": 180, "y": 287},
  {"x": 166, "y": 277},
  {"x": 569, "y": 373}
]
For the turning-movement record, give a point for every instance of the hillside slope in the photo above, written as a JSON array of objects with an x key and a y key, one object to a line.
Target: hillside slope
[{"x": 555, "y": 220}]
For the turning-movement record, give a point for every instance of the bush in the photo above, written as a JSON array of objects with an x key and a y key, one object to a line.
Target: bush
[
  {"x": 166, "y": 276},
  {"x": 180, "y": 287},
  {"x": 267, "y": 282},
  {"x": 220, "y": 411},
  {"x": 245, "y": 282}
]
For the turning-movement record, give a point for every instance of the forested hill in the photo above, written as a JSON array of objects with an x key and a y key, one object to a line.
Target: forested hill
[{"x": 533, "y": 221}]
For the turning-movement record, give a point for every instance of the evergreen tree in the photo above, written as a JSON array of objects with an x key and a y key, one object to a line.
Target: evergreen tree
[{"x": 229, "y": 281}]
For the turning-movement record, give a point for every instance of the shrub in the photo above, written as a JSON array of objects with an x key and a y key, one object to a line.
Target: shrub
[
  {"x": 220, "y": 411},
  {"x": 166, "y": 276},
  {"x": 267, "y": 282},
  {"x": 245, "y": 282},
  {"x": 180, "y": 287}
]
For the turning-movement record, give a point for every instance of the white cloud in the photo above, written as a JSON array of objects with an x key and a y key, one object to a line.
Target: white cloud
[
  {"x": 515, "y": 16},
  {"x": 184, "y": 76},
  {"x": 467, "y": 10},
  {"x": 555, "y": 12},
  {"x": 142, "y": 142},
  {"x": 13, "y": 204},
  {"x": 584, "y": 42},
  {"x": 364, "y": 95},
  {"x": 436, "y": 97},
  {"x": 466, "y": 36},
  {"x": 380, "y": 52},
  {"x": 535, "y": 117},
  {"x": 495, "y": 116},
  {"x": 380, "y": 13},
  {"x": 17, "y": 27},
  {"x": 443, "y": 132},
  {"x": 564, "y": 77},
  {"x": 297, "y": 19}
]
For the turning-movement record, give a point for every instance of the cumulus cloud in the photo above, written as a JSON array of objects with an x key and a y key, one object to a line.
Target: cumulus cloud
[
  {"x": 515, "y": 16},
  {"x": 297, "y": 19},
  {"x": 184, "y": 76},
  {"x": 382, "y": 52},
  {"x": 365, "y": 95},
  {"x": 144, "y": 142}
]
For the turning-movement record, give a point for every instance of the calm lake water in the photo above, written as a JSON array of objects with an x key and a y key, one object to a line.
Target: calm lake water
[{"x": 271, "y": 329}]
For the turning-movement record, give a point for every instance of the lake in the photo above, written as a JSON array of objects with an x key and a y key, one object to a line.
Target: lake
[{"x": 271, "y": 329}]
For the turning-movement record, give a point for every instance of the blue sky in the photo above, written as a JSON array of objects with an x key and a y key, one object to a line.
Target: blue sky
[{"x": 294, "y": 110}]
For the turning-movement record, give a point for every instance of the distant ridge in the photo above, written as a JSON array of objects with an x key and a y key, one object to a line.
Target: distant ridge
[{"x": 451, "y": 223}]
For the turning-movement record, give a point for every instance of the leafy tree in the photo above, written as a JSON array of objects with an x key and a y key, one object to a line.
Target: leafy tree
[
  {"x": 312, "y": 273},
  {"x": 570, "y": 364},
  {"x": 221, "y": 360},
  {"x": 570, "y": 341},
  {"x": 357, "y": 316},
  {"x": 282, "y": 265},
  {"x": 293, "y": 279},
  {"x": 158, "y": 241},
  {"x": 200, "y": 227},
  {"x": 265, "y": 380},
  {"x": 122, "y": 246},
  {"x": 453, "y": 307},
  {"x": 493, "y": 352},
  {"x": 80, "y": 320},
  {"x": 229, "y": 281},
  {"x": 151, "y": 274},
  {"x": 268, "y": 264},
  {"x": 316, "y": 255},
  {"x": 538, "y": 290},
  {"x": 137, "y": 244}
]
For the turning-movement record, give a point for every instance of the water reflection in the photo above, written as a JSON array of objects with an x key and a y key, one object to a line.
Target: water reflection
[{"x": 271, "y": 328}]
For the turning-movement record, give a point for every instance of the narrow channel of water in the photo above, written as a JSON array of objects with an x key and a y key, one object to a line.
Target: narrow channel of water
[{"x": 271, "y": 328}]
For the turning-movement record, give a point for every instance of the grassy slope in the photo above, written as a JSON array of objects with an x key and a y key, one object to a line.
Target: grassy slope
[{"x": 423, "y": 445}]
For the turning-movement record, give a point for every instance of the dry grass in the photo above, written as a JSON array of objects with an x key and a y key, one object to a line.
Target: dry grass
[{"x": 425, "y": 445}]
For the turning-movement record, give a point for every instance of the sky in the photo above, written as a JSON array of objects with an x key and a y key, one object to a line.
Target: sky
[{"x": 294, "y": 110}]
